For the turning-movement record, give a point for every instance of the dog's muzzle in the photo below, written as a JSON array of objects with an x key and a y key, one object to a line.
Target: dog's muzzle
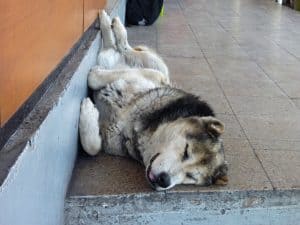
[{"x": 162, "y": 180}]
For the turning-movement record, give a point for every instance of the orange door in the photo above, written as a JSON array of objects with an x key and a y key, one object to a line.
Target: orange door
[{"x": 35, "y": 36}]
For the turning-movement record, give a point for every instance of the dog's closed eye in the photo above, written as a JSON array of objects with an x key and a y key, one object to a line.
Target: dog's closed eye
[
  {"x": 185, "y": 154},
  {"x": 190, "y": 176}
]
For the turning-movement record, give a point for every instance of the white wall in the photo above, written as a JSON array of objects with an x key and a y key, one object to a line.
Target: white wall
[{"x": 34, "y": 190}]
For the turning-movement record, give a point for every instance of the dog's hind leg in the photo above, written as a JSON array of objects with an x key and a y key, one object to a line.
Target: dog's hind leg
[
  {"x": 120, "y": 34},
  {"x": 98, "y": 77},
  {"x": 108, "y": 56},
  {"x": 89, "y": 131},
  {"x": 106, "y": 31}
]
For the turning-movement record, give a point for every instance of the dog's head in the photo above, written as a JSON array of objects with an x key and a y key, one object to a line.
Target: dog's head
[{"x": 186, "y": 151}]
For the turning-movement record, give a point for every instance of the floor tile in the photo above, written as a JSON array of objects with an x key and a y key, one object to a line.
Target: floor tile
[
  {"x": 184, "y": 50},
  {"x": 263, "y": 106},
  {"x": 261, "y": 88},
  {"x": 282, "y": 167},
  {"x": 236, "y": 68},
  {"x": 297, "y": 102},
  {"x": 218, "y": 103},
  {"x": 232, "y": 126},
  {"x": 276, "y": 56},
  {"x": 180, "y": 36},
  {"x": 282, "y": 73},
  {"x": 216, "y": 40},
  {"x": 275, "y": 145},
  {"x": 291, "y": 88},
  {"x": 181, "y": 67},
  {"x": 142, "y": 33},
  {"x": 199, "y": 85},
  {"x": 227, "y": 51},
  {"x": 245, "y": 171},
  {"x": 271, "y": 128},
  {"x": 105, "y": 174}
]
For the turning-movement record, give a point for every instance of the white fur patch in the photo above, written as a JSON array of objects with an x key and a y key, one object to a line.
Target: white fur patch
[
  {"x": 89, "y": 128},
  {"x": 107, "y": 59}
]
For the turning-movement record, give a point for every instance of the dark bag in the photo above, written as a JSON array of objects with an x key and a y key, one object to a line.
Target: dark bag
[{"x": 142, "y": 12}]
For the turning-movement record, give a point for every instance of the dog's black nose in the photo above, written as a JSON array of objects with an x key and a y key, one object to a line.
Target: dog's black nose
[
  {"x": 208, "y": 181},
  {"x": 163, "y": 180}
]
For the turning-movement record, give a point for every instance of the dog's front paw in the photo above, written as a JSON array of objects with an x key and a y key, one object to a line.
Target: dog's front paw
[
  {"x": 87, "y": 107},
  {"x": 89, "y": 127}
]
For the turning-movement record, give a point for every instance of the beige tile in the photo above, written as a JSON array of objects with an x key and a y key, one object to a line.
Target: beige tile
[
  {"x": 181, "y": 67},
  {"x": 279, "y": 72},
  {"x": 183, "y": 50},
  {"x": 275, "y": 145},
  {"x": 291, "y": 88},
  {"x": 256, "y": 88},
  {"x": 235, "y": 68},
  {"x": 217, "y": 102},
  {"x": 232, "y": 126},
  {"x": 105, "y": 174},
  {"x": 263, "y": 106},
  {"x": 282, "y": 167},
  {"x": 271, "y": 128},
  {"x": 297, "y": 102}
]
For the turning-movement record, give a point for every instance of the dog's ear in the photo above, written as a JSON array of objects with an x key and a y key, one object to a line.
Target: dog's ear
[{"x": 213, "y": 126}]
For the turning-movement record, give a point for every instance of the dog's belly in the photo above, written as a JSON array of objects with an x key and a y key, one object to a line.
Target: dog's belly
[{"x": 113, "y": 103}]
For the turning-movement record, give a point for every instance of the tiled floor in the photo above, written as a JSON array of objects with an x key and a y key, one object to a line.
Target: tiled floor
[{"x": 243, "y": 57}]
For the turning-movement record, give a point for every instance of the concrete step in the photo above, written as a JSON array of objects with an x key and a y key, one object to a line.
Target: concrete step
[{"x": 112, "y": 190}]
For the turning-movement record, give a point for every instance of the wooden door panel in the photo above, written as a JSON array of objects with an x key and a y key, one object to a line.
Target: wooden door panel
[
  {"x": 91, "y": 9},
  {"x": 35, "y": 35}
]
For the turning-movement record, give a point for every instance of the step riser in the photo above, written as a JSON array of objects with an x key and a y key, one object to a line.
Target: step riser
[{"x": 248, "y": 207}]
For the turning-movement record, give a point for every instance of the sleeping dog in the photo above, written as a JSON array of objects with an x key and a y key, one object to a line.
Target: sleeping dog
[{"x": 136, "y": 112}]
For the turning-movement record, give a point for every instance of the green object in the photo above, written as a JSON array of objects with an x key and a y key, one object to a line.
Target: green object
[
  {"x": 297, "y": 5},
  {"x": 162, "y": 11}
]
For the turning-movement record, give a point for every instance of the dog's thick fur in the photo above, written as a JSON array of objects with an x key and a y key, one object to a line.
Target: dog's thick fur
[{"x": 137, "y": 113}]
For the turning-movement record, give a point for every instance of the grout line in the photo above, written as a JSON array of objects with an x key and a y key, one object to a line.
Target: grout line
[
  {"x": 180, "y": 5},
  {"x": 262, "y": 69},
  {"x": 283, "y": 48},
  {"x": 243, "y": 130},
  {"x": 274, "y": 81},
  {"x": 179, "y": 56},
  {"x": 252, "y": 60},
  {"x": 298, "y": 58},
  {"x": 156, "y": 38},
  {"x": 195, "y": 37}
]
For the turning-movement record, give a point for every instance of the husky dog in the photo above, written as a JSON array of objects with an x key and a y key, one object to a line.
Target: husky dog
[{"x": 137, "y": 113}]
